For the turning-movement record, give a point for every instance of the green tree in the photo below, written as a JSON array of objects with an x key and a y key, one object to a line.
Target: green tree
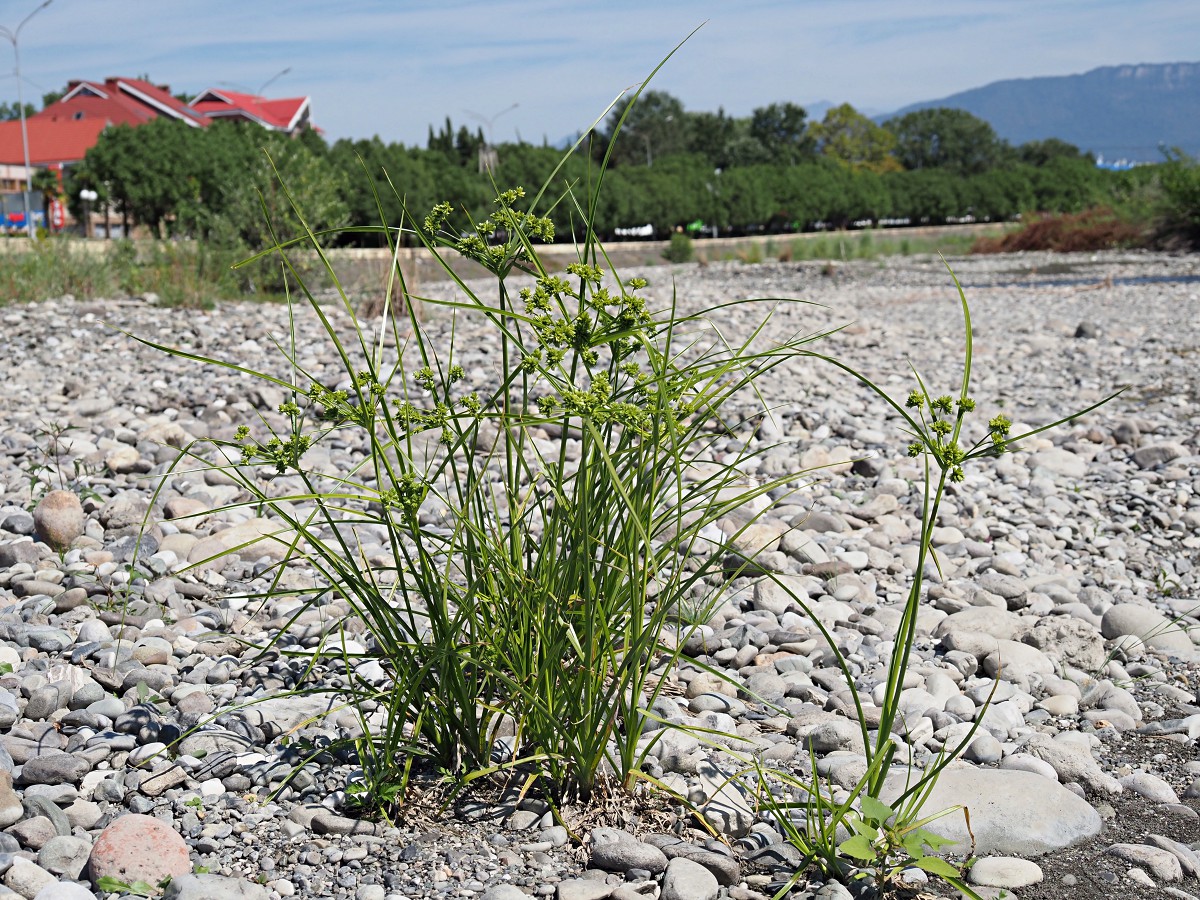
[
  {"x": 1038, "y": 153},
  {"x": 782, "y": 130},
  {"x": 925, "y": 196},
  {"x": 944, "y": 138},
  {"x": 240, "y": 173},
  {"x": 45, "y": 182},
  {"x": 656, "y": 126},
  {"x": 12, "y": 111},
  {"x": 849, "y": 137},
  {"x": 1066, "y": 185},
  {"x": 150, "y": 170},
  {"x": 711, "y": 135}
]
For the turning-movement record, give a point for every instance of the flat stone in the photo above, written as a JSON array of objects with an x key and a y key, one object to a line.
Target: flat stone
[
  {"x": 213, "y": 887},
  {"x": 725, "y": 869},
  {"x": 1156, "y": 454},
  {"x": 250, "y": 540},
  {"x": 65, "y": 855},
  {"x": 27, "y": 878},
  {"x": 1072, "y": 764},
  {"x": 1148, "y": 625},
  {"x": 1005, "y": 872},
  {"x": 504, "y": 892},
  {"x": 583, "y": 889},
  {"x": 64, "y": 890},
  {"x": 1163, "y": 864},
  {"x": 1150, "y": 786},
  {"x": 1012, "y": 812},
  {"x": 614, "y": 850},
  {"x": 54, "y": 768}
]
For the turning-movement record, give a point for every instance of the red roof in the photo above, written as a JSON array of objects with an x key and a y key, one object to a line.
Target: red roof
[
  {"x": 65, "y": 130},
  {"x": 50, "y": 140},
  {"x": 119, "y": 100},
  {"x": 282, "y": 115}
]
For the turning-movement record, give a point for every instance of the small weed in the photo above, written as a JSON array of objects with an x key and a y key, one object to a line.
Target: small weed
[{"x": 46, "y": 473}]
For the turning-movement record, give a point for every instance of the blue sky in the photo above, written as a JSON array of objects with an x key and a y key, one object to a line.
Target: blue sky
[{"x": 393, "y": 67}]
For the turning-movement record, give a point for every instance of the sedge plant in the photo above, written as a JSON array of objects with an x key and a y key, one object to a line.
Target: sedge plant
[{"x": 540, "y": 529}]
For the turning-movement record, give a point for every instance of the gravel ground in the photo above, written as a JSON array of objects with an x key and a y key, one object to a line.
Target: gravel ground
[{"x": 1067, "y": 592}]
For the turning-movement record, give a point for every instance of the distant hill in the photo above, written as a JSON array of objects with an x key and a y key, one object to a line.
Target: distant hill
[{"x": 1119, "y": 112}]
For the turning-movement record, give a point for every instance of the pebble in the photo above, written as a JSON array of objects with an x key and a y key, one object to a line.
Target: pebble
[
  {"x": 1005, "y": 872},
  {"x": 58, "y": 519},
  {"x": 687, "y": 880}
]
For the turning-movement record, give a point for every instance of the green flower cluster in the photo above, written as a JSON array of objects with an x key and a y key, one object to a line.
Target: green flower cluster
[
  {"x": 407, "y": 496},
  {"x": 942, "y": 429},
  {"x": 279, "y": 452},
  {"x": 517, "y": 226}
]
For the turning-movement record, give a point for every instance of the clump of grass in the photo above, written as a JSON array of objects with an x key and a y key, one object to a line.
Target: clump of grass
[
  {"x": 542, "y": 532},
  {"x": 35, "y": 270},
  {"x": 751, "y": 253},
  {"x": 681, "y": 249},
  {"x": 547, "y": 537},
  {"x": 186, "y": 275}
]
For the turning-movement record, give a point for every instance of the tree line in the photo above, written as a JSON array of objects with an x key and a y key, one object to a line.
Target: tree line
[{"x": 669, "y": 168}]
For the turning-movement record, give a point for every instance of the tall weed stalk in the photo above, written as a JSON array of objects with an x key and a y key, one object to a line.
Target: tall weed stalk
[{"x": 861, "y": 835}]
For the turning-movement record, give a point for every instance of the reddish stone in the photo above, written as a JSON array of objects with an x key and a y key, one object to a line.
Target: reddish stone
[{"x": 138, "y": 848}]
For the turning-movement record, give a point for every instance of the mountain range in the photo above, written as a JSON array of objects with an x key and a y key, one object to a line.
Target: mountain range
[{"x": 1130, "y": 112}]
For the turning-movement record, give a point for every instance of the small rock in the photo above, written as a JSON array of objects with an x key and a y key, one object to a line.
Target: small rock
[
  {"x": 54, "y": 768},
  {"x": 26, "y": 878},
  {"x": 213, "y": 887},
  {"x": 504, "y": 892},
  {"x": 64, "y": 890},
  {"x": 1156, "y": 454},
  {"x": 138, "y": 848},
  {"x": 1163, "y": 864},
  {"x": 1005, "y": 872},
  {"x": 1149, "y": 786},
  {"x": 614, "y": 850},
  {"x": 583, "y": 889},
  {"x": 687, "y": 880},
  {"x": 58, "y": 519},
  {"x": 65, "y": 855}
]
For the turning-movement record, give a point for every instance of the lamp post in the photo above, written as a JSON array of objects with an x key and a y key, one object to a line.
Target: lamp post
[
  {"x": 12, "y": 37},
  {"x": 487, "y": 153},
  {"x": 88, "y": 196},
  {"x": 270, "y": 81}
]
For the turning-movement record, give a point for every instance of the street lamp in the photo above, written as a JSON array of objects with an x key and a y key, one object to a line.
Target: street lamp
[
  {"x": 12, "y": 37},
  {"x": 88, "y": 196},
  {"x": 489, "y": 122},
  {"x": 270, "y": 81},
  {"x": 487, "y": 153}
]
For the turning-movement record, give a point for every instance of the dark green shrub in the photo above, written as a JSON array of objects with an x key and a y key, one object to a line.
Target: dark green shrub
[{"x": 681, "y": 250}]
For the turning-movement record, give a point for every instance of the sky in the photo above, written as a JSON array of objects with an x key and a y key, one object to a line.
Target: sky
[{"x": 394, "y": 67}]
